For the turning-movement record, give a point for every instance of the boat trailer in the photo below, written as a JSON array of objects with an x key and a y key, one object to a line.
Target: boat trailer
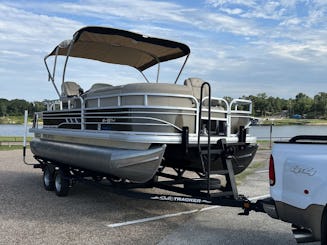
[{"x": 204, "y": 190}]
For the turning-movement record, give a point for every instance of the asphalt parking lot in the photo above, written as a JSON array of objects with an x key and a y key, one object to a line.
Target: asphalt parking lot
[{"x": 94, "y": 215}]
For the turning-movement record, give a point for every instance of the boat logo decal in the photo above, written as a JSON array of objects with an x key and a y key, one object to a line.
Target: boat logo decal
[
  {"x": 180, "y": 199},
  {"x": 108, "y": 120}
]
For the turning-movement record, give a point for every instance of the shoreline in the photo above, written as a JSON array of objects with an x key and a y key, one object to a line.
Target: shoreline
[{"x": 291, "y": 122}]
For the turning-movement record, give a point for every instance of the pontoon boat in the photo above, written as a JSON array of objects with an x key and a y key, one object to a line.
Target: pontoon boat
[{"x": 132, "y": 131}]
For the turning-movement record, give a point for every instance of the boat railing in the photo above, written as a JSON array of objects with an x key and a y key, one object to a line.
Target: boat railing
[
  {"x": 142, "y": 103},
  {"x": 53, "y": 105},
  {"x": 144, "y": 95},
  {"x": 112, "y": 120},
  {"x": 98, "y": 110},
  {"x": 218, "y": 105},
  {"x": 241, "y": 106}
]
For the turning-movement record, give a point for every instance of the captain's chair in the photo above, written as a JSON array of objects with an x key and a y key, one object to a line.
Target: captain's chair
[
  {"x": 195, "y": 84},
  {"x": 70, "y": 89}
]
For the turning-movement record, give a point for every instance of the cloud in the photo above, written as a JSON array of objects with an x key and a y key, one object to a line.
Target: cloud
[
  {"x": 246, "y": 46},
  {"x": 20, "y": 26},
  {"x": 25, "y": 38},
  {"x": 232, "y": 11},
  {"x": 221, "y": 3},
  {"x": 140, "y": 10}
]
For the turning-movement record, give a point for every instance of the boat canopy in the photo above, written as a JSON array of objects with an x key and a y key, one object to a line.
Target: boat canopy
[{"x": 120, "y": 47}]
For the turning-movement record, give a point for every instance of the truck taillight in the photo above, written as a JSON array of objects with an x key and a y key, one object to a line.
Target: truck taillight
[{"x": 272, "y": 178}]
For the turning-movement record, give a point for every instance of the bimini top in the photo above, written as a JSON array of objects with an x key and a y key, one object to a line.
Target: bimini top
[{"x": 120, "y": 47}]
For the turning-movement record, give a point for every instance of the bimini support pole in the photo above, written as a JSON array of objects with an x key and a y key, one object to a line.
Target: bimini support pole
[
  {"x": 71, "y": 44},
  {"x": 51, "y": 77},
  {"x": 25, "y": 138},
  {"x": 180, "y": 72}
]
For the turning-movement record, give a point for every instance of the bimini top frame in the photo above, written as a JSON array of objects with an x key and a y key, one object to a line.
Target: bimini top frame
[{"x": 118, "y": 47}]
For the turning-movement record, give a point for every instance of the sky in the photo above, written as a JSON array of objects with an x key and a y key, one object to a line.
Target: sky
[{"x": 242, "y": 47}]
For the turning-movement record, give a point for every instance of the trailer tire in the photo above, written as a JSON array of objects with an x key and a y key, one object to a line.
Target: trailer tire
[
  {"x": 150, "y": 183},
  {"x": 48, "y": 178},
  {"x": 323, "y": 235},
  {"x": 62, "y": 183}
]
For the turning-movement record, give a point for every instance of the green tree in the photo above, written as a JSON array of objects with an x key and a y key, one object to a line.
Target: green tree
[
  {"x": 3, "y": 107},
  {"x": 319, "y": 107},
  {"x": 303, "y": 104},
  {"x": 17, "y": 107}
]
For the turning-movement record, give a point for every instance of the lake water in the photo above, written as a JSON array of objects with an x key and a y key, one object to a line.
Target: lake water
[
  {"x": 285, "y": 132},
  {"x": 261, "y": 132},
  {"x": 12, "y": 130}
]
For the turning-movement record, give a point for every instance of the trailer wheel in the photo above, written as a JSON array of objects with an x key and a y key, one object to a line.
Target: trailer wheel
[
  {"x": 48, "y": 178},
  {"x": 62, "y": 183},
  {"x": 150, "y": 183},
  {"x": 116, "y": 181},
  {"x": 324, "y": 227},
  {"x": 97, "y": 178}
]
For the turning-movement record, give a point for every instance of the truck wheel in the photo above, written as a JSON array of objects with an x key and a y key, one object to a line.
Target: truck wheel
[
  {"x": 48, "y": 178},
  {"x": 324, "y": 227},
  {"x": 62, "y": 183}
]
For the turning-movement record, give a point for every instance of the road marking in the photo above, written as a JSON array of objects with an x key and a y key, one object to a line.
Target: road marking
[
  {"x": 152, "y": 218},
  {"x": 261, "y": 171},
  {"x": 137, "y": 221}
]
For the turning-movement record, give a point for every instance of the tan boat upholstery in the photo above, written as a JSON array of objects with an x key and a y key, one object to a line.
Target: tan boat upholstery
[
  {"x": 133, "y": 94},
  {"x": 70, "y": 89},
  {"x": 99, "y": 86},
  {"x": 167, "y": 88},
  {"x": 195, "y": 85}
]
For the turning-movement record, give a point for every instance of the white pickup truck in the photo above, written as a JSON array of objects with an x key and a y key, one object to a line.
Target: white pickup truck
[{"x": 298, "y": 186}]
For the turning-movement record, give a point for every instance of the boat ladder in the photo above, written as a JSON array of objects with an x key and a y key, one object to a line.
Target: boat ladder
[{"x": 209, "y": 153}]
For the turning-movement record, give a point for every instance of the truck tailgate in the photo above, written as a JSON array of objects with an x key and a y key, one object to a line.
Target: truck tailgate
[{"x": 300, "y": 171}]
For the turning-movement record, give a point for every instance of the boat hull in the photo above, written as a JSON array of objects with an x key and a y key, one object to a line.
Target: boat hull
[
  {"x": 242, "y": 157},
  {"x": 136, "y": 165}
]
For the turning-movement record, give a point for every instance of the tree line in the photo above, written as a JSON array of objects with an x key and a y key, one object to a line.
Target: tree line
[
  {"x": 263, "y": 105},
  {"x": 302, "y": 106},
  {"x": 17, "y": 107}
]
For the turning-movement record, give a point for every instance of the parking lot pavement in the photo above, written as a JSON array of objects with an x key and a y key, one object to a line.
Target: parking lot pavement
[
  {"x": 223, "y": 225},
  {"x": 31, "y": 215}
]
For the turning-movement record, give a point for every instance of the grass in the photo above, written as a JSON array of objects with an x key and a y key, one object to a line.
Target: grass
[
  {"x": 250, "y": 170},
  {"x": 8, "y": 139},
  {"x": 11, "y": 147},
  {"x": 290, "y": 121},
  {"x": 14, "y": 119},
  {"x": 13, "y": 139},
  {"x": 264, "y": 144}
]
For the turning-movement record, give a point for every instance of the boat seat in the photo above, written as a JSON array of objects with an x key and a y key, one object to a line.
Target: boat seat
[
  {"x": 99, "y": 86},
  {"x": 70, "y": 89},
  {"x": 195, "y": 85}
]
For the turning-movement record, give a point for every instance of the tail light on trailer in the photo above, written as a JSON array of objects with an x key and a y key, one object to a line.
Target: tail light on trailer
[{"x": 272, "y": 178}]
